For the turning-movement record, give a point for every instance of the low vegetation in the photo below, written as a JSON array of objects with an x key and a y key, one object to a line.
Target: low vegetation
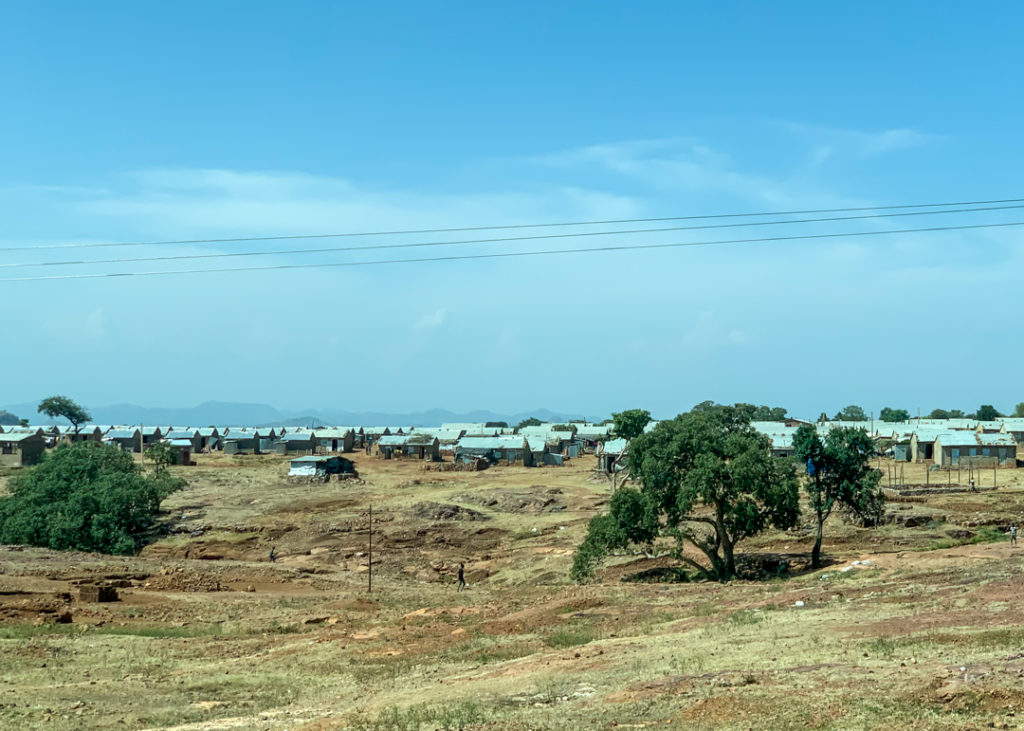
[{"x": 84, "y": 497}]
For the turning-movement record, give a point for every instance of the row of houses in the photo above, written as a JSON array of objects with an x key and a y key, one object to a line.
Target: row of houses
[
  {"x": 543, "y": 444},
  {"x": 940, "y": 442}
]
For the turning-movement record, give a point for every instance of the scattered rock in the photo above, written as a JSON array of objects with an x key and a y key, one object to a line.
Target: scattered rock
[{"x": 445, "y": 511}]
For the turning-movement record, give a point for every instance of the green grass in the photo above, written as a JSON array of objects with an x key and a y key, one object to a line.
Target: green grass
[
  {"x": 564, "y": 637},
  {"x": 450, "y": 718},
  {"x": 985, "y": 534}
]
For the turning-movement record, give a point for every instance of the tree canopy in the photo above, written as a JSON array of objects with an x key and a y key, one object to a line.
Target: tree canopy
[
  {"x": 1018, "y": 410},
  {"x": 889, "y": 414},
  {"x": 852, "y": 413},
  {"x": 630, "y": 424},
  {"x": 946, "y": 414},
  {"x": 987, "y": 412},
  {"x": 62, "y": 406},
  {"x": 532, "y": 421},
  {"x": 762, "y": 413},
  {"x": 496, "y": 425},
  {"x": 838, "y": 475},
  {"x": 84, "y": 497},
  {"x": 708, "y": 480}
]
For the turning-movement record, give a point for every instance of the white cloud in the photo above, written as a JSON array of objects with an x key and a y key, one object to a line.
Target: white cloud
[
  {"x": 827, "y": 142},
  {"x": 708, "y": 332},
  {"x": 431, "y": 321}
]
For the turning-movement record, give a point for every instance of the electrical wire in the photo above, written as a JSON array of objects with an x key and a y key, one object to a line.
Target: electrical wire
[
  {"x": 512, "y": 254},
  {"x": 402, "y": 232},
  {"x": 419, "y": 244}
]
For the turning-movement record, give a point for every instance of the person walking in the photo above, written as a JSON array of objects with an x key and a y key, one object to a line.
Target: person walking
[
  {"x": 1013, "y": 535},
  {"x": 462, "y": 577},
  {"x": 273, "y": 554}
]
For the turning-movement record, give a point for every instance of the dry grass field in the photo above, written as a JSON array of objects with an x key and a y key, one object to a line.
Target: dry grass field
[{"x": 926, "y": 631}]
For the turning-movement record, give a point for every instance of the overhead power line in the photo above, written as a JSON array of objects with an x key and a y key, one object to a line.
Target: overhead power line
[
  {"x": 512, "y": 254},
  {"x": 506, "y": 239},
  {"x": 463, "y": 229}
]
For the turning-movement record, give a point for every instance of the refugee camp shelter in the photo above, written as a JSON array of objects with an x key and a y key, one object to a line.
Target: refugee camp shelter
[
  {"x": 241, "y": 441},
  {"x": 509, "y": 449},
  {"x": 335, "y": 439},
  {"x": 977, "y": 449},
  {"x": 130, "y": 440},
  {"x": 610, "y": 455},
  {"x": 417, "y": 446},
  {"x": 320, "y": 466},
  {"x": 297, "y": 443},
  {"x": 182, "y": 450},
  {"x": 21, "y": 448}
]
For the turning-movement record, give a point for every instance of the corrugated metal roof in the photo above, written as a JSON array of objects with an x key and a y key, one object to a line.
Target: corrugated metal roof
[
  {"x": 536, "y": 444},
  {"x": 614, "y": 446},
  {"x": 17, "y": 437},
  {"x": 402, "y": 440},
  {"x": 179, "y": 442},
  {"x": 122, "y": 434},
  {"x": 324, "y": 433},
  {"x": 298, "y": 437},
  {"x": 996, "y": 440},
  {"x": 503, "y": 442}
]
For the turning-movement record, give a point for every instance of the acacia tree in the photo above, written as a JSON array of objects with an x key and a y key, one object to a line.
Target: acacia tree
[
  {"x": 55, "y": 406},
  {"x": 630, "y": 424},
  {"x": 707, "y": 479},
  {"x": 838, "y": 475}
]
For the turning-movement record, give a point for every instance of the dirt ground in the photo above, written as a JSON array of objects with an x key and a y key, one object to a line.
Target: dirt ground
[{"x": 915, "y": 624}]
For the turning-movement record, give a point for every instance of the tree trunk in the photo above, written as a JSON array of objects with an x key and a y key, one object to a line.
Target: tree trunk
[{"x": 816, "y": 551}]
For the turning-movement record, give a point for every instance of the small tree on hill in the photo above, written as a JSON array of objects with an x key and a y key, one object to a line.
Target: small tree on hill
[
  {"x": 888, "y": 414},
  {"x": 55, "y": 406},
  {"x": 84, "y": 497},
  {"x": 532, "y": 421},
  {"x": 707, "y": 480},
  {"x": 630, "y": 424},
  {"x": 838, "y": 475}
]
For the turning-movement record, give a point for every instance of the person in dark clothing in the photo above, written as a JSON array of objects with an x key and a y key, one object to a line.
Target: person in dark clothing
[
  {"x": 462, "y": 577},
  {"x": 273, "y": 554}
]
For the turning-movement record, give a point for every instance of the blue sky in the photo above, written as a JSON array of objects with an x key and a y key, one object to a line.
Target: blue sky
[{"x": 133, "y": 121}]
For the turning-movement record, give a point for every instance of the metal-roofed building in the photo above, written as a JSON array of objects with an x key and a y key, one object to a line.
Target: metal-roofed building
[
  {"x": 129, "y": 440},
  {"x": 335, "y": 439},
  {"x": 960, "y": 447},
  {"x": 510, "y": 450},
  {"x": 418, "y": 446},
  {"x": 610, "y": 455},
  {"x": 296, "y": 443},
  {"x": 21, "y": 448}
]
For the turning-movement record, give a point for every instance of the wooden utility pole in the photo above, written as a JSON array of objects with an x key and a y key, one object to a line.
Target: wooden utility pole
[{"x": 369, "y": 563}]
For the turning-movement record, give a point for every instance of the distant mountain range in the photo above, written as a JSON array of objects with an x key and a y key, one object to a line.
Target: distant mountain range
[{"x": 222, "y": 413}]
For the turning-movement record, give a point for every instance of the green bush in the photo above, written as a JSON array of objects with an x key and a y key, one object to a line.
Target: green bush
[{"x": 84, "y": 497}]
